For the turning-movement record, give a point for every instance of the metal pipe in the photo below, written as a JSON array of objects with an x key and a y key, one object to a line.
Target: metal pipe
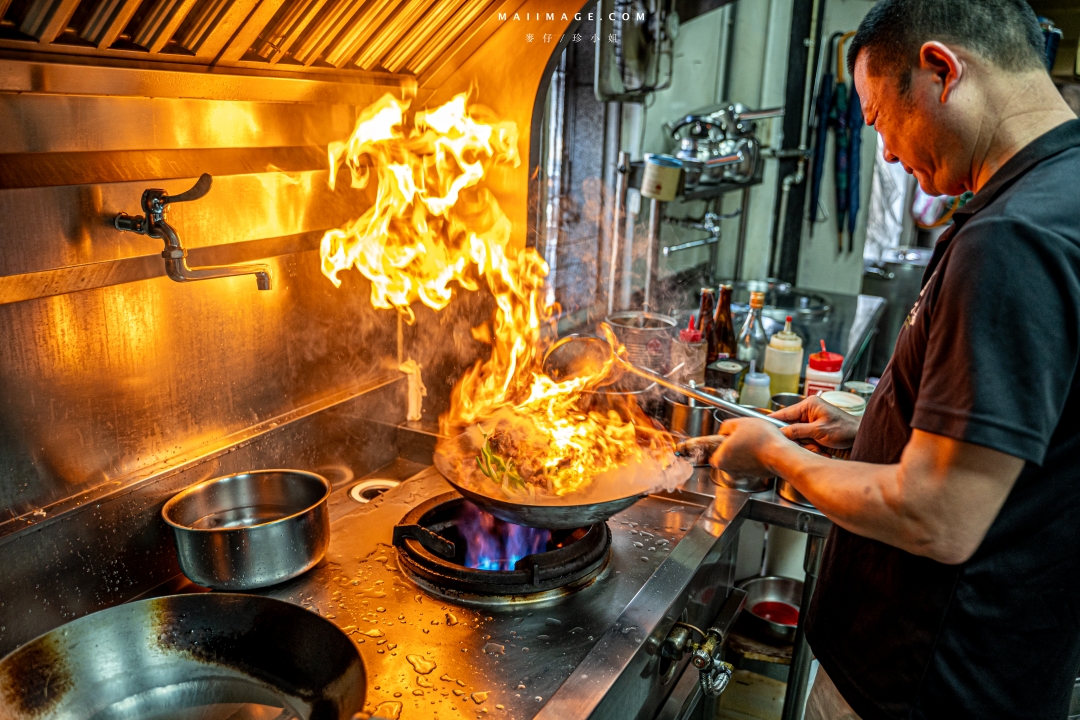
[
  {"x": 740, "y": 246},
  {"x": 617, "y": 227},
  {"x": 801, "y": 656},
  {"x": 653, "y": 247},
  {"x": 797, "y": 177},
  {"x": 777, "y": 244}
]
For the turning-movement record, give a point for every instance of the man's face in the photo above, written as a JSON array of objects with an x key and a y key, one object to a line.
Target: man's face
[{"x": 916, "y": 128}]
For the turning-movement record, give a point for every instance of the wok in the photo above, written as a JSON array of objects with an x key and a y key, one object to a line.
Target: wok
[
  {"x": 550, "y": 517},
  {"x": 205, "y": 656}
]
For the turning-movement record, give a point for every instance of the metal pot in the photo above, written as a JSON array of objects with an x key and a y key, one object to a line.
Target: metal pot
[
  {"x": 647, "y": 337},
  {"x": 251, "y": 530},
  {"x": 787, "y": 491},
  {"x": 687, "y": 417},
  {"x": 747, "y": 485},
  {"x": 771, "y": 589}
]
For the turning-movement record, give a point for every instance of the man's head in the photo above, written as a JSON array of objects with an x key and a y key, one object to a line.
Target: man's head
[{"x": 930, "y": 72}]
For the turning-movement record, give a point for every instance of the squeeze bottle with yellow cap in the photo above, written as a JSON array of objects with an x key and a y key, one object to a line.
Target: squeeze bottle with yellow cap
[{"x": 783, "y": 360}]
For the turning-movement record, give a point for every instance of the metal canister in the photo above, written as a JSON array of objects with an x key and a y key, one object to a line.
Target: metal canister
[{"x": 647, "y": 337}]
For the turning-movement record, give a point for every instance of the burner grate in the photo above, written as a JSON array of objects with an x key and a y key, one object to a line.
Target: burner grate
[{"x": 433, "y": 550}]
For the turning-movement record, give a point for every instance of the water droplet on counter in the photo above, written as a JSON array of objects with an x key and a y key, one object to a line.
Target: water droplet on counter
[
  {"x": 457, "y": 692},
  {"x": 644, "y": 559},
  {"x": 479, "y": 697},
  {"x": 451, "y": 619},
  {"x": 499, "y": 707},
  {"x": 524, "y": 649},
  {"x": 421, "y": 664},
  {"x": 637, "y": 544},
  {"x": 417, "y": 692},
  {"x": 576, "y": 630},
  {"x": 446, "y": 678},
  {"x": 520, "y": 687},
  {"x": 543, "y": 637},
  {"x": 389, "y": 710},
  {"x": 553, "y": 622},
  {"x": 397, "y": 694},
  {"x": 460, "y": 682},
  {"x": 374, "y": 632},
  {"x": 380, "y": 609},
  {"x": 495, "y": 649},
  {"x": 381, "y": 641},
  {"x": 538, "y": 699},
  {"x": 419, "y": 598},
  {"x": 652, "y": 549}
]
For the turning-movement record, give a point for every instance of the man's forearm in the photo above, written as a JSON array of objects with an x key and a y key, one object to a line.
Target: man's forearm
[
  {"x": 937, "y": 502},
  {"x": 848, "y": 493}
]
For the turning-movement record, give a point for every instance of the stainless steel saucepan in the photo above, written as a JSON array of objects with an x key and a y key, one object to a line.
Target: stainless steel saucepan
[{"x": 250, "y": 530}]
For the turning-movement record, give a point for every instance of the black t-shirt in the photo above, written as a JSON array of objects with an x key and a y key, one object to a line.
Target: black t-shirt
[{"x": 988, "y": 355}]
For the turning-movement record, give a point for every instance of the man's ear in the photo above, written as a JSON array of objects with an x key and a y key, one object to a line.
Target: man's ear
[{"x": 946, "y": 67}]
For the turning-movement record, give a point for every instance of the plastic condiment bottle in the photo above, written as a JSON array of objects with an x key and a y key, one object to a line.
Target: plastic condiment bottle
[
  {"x": 783, "y": 360},
  {"x": 824, "y": 372},
  {"x": 755, "y": 390}
]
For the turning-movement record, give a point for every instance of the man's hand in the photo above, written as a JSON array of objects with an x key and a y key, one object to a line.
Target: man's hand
[
  {"x": 748, "y": 445},
  {"x": 815, "y": 419}
]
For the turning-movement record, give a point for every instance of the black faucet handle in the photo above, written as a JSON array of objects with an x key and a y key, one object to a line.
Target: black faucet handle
[{"x": 201, "y": 187}]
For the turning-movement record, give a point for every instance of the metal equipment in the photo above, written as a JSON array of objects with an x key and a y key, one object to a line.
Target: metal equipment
[
  {"x": 250, "y": 530},
  {"x": 205, "y": 655}
]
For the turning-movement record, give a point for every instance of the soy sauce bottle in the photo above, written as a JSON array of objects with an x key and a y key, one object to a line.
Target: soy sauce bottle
[
  {"x": 705, "y": 323},
  {"x": 724, "y": 325}
]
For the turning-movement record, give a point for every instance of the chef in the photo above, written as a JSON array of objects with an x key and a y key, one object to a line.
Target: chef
[{"x": 950, "y": 586}]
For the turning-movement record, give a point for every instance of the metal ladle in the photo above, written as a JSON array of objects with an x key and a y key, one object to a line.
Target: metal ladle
[{"x": 578, "y": 355}]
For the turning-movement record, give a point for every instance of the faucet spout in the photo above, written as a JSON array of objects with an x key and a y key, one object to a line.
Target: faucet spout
[{"x": 153, "y": 224}]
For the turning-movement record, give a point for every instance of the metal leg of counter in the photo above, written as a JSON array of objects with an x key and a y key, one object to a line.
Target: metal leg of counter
[{"x": 801, "y": 657}]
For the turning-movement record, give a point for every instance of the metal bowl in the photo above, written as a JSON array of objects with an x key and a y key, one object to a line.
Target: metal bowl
[
  {"x": 747, "y": 485},
  {"x": 251, "y": 530},
  {"x": 772, "y": 589},
  {"x": 788, "y": 492},
  {"x": 203, "y": 655}
]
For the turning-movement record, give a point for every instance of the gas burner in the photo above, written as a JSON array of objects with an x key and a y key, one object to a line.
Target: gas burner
[{"x": 450, "y": 547}]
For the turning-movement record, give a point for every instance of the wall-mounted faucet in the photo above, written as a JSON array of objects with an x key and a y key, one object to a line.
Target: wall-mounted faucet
[{"x": 154, "y": 204}]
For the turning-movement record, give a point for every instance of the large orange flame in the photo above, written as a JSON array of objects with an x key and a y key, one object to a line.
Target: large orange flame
[{"x": 433, "y": 224}]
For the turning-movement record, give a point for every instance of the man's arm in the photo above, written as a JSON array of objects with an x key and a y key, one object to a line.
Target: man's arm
[{"x": 938, "y": 502}]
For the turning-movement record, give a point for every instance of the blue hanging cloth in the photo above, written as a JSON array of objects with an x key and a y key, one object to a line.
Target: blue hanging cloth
[{"x": 855, "y": 126}]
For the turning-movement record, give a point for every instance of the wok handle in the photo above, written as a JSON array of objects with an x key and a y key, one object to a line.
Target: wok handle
[{"x": 699, "y": 395}]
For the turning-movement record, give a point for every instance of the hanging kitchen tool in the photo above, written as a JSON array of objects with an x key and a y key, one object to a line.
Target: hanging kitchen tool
[
  {"x": 823, "y": 107},
  {"x": 839, "y": 118}
]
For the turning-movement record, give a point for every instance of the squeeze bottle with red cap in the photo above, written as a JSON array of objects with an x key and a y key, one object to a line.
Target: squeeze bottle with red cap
[{"x": 824, "y": 372}]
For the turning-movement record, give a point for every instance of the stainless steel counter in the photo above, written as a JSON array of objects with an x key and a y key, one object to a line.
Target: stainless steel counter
[
  {"x": 512, "y": 656},
  {"x": 593, "y": 653}
]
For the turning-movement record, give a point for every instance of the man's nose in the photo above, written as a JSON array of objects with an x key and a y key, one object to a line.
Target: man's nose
[{"x": 889, "y": 157}]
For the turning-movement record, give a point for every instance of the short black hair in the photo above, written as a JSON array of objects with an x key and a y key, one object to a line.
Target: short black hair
[{"x": 1005, "y": 32}]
